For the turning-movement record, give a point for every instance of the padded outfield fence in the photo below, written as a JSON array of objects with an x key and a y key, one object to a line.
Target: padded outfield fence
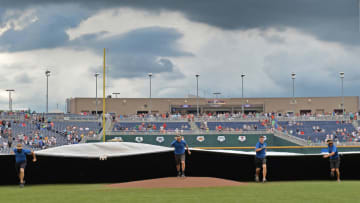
[{"x": 226, "y": 141}]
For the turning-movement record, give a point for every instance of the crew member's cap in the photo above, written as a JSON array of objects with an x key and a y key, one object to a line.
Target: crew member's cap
[
  {"x": 330, "y": 142},
  {"x": 19, "y": 146}
]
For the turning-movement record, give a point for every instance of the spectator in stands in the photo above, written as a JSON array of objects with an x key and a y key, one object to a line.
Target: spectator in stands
[{"x": 10, "y": 141}]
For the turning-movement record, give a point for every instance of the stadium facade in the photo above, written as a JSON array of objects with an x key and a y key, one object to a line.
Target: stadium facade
[{"x": 302, "y": 105}]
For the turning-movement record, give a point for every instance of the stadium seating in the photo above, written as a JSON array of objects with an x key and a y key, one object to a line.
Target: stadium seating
[
  {"x": 135, "y": 126},
  {"x": 305, "y": 130},
  {"x": 233, "y": 125},
  {"x": 80, "y": 126},
  {"x": 59, "y": 131}
]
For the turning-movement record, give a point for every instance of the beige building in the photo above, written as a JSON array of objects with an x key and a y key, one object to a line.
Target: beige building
[{"x": 232, "y": 105}]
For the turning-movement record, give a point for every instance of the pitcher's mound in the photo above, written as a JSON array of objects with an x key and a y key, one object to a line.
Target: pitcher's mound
[{"x": 178, "y": 183}]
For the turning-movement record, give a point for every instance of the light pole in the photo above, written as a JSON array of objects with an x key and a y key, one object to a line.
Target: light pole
[
  {"x": 197, "y": 94},
  {"x": 96, "y": 89},
  {"x": 342, "y": 75},
  {"x": 10, "y": 99},
  {"x": 150, "y": 105},
  {"x": 116, "y": 94},
  {"x": 293, "y": 76},
  {"x": 242, "y": 93},
  {"x": 47, "y": 73}
]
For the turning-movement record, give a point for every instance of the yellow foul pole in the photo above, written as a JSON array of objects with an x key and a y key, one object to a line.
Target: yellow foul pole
[{"x": 104, "y": 103}]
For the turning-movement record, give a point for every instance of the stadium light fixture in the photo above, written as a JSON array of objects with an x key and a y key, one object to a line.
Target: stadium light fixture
[
  {"x": 342, "y": 74},
  {"x": 216, "y": 94}
]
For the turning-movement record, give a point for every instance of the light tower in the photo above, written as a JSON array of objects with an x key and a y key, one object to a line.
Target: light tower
[
  {"x": 47, "y": 74},
  {"x": 10, "y": 99}
]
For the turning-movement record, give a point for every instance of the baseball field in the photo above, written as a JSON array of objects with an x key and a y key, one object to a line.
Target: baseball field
[{"x": 298, "y": 191}]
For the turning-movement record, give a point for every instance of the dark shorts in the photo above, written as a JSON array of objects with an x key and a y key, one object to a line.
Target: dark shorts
[
  {"x": 335, "y": 163},
  {"x": 179, "y": 158},
  {"x": 20, "y": 165},
  {"x": 259, "y": 162}
]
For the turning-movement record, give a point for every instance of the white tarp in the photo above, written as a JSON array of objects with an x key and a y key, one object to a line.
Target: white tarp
[{"x": 98, "y": 150}]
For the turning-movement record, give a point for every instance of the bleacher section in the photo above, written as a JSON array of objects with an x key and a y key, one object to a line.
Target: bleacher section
[
  {"x": 172, "y": 126},
  {"x": 244, "y": 126},
  {"x": 80, "y": 127},
  {"x": 305, "y": 130},
  {"x": 30, "y": 132}
]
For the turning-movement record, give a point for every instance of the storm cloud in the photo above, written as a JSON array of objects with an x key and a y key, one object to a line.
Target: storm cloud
[
  {"x": 136, "y": 52},
  {"x": 329, "y": 20},
  {"x": 48, "y": 31}
]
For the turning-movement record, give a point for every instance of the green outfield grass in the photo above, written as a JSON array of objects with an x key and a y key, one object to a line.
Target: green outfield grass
[{"x": 289, "y": 192}]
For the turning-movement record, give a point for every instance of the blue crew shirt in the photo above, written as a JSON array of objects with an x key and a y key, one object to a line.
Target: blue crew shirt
[
  {"x": 179, "y": 146},
  {"x": 21, "y": 156},
  {"x": 332, "y": 149},
  {"x": 262, "y": 153}
]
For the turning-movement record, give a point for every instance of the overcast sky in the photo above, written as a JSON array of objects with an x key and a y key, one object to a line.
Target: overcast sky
[{"x": 174, "y": 40}]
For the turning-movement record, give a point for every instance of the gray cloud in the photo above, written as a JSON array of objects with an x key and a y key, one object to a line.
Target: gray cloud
[
  {"x": 23, "y": 78},
  {"x": 330, "y": 20},
  {"x": 137, "y": 52},
  {"x": 314, "y": 76},
  {"x": 49, "y": 31},
  {"x": 130, "y": 55}
]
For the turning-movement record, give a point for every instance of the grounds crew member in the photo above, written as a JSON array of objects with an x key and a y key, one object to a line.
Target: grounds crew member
[
  {"x": 334, "y": 159},
  {"x": 20, "y": 159},
  {"x": 180, "y": 144},
  {"x": 260, "y": 158}
]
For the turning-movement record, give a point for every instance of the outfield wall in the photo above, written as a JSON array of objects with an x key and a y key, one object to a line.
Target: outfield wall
[
  {"x": 240, "y": 142},
  {"x": 204, "y": 140},
  {"x": 61, "y": 168}
]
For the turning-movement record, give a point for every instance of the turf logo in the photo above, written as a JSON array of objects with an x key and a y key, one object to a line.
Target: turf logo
[
  {"x": 221, "y": 138},
  {"x": 200, "y": 138},
  {"x": 139, "y": 139},
  {"x": 242, "y": 138},
  {"x": 160, "y": 139}
]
